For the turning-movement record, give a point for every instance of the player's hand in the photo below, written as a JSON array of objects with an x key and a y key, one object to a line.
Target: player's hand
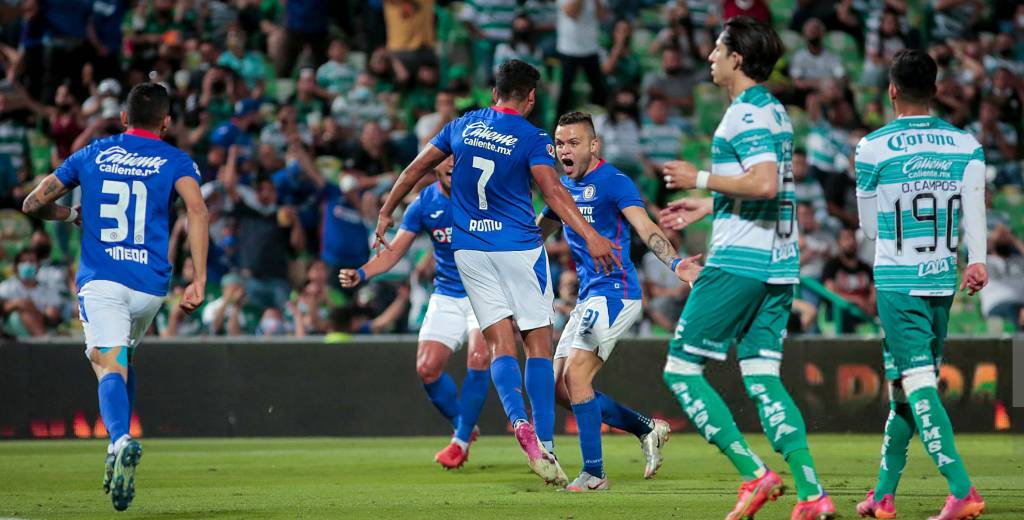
[
  {"x": 192, "y": 297},
  {"x": 975, "y": 278},
  {"x": 683, "y": 212},
  {"x": 384, "y": 223},
  {"x": 680, "y": 175},
  {"x": 78, "y": 220},
  {"x": 603, "y": 251},
  {"x": 349, "y": 278},
  {"x": 689, "y": 268}
]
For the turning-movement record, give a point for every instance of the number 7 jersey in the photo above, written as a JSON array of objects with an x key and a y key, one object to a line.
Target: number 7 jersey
[
  {"x": 127, "y": 182},
  {"x": 916, "y": 168}
]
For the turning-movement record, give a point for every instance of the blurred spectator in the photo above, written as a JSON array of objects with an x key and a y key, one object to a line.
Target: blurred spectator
[
  {"x": 360, "y": 106},
  {"x": 235, "y": 133},
  {"x": 225, "y": 315},
  {"x": 490, "y": 23},
  {"x": 673, "y": 83},
  {"x": 65, "y": 45},
  {"x": 521, "y": 45},
  {"x": 578, "y": 30},
  {"x": 756, "y": 9},
  {"x": 430, "y": 124},
  {"x": 1004, "y": 56},
  {"x": 51, "y": 273},
  {"x": 692, "y": 40},
  {"x": 106, "y": 36},
  {"x": 65, "y": 124},
  {"x": 953, "y": 19},
  {"x": 952, "y": 101},
  {"x": 999, "y": 140},
  {"x": 248, "y": 64},
  {"x": 180, "y": 323},
  {"x": 337, "y": 76},
  {"x": 568, "y": 293},
  {"x": 810, "y": 66},
  {"x": 356, "y": 319},
  {"x": 808, "y": 189},
  {"x": 275, "y": 134},
  {"x": 410, "y": 32},
  {"x": 308, "y": 100},
  {"x": 1009, "y": 92},
  {"x": 1003, "y": 298},
  {"x": 305, "y": 26},
  {"x": 664, "y": 294},
  {"x": 840, "y": 189},
  {"x": 827, "y": 149},
  {"x": 619, "y": 65},
  {"x": 108, "y": 91},
  {"x": 30, "y": 306},
  {"x": 882, "y": 44},
  {"x": 619, "y": 131},
  {"x": 660, "y": 142},
  {"x": 834, "y": 16},
  {"x": 14, "y": 158},
  {"x": 817, "y": 245},
  {"x": 273, "y": 323},
  {"x": 851, "y": 279}
]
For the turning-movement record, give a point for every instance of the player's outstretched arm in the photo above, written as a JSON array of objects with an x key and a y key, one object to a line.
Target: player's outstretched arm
[
  {"x": 198, "y": 240},
  {"x": 379, "y": 264},
  {"x": 423, "y": 164},
  {"x": 686, "y": 269},
  {"x": 973, "y": 199},
  {"x": 40, "y": 203},
  {"x": 761, "y": 181},
  {"x": 559, "y": 200},
  {"x": 683, "y": 212}
]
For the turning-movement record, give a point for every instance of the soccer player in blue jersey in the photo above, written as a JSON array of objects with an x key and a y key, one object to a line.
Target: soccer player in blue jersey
[
  {"x": 498, "y": 247},
  {"x": 127, "y": 182},
  {"x": 449, "y": 319},
  {"x": 609, "y": 303}
]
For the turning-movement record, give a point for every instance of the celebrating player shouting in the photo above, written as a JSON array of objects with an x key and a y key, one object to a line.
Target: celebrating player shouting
[
  {"x": 498, "y": 247},
  {"x": 449, "y": 319},
  {"x": 745, "y": 292},
  {"x": 609, "y": 303},
  {"x": 915, "y": 176},
  {"x": 127, "y": 181}
]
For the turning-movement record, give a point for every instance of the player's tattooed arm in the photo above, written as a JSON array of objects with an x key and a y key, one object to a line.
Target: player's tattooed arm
[
  {"x": 651, "y": 234},
  {"x": 40, "y": 203}
]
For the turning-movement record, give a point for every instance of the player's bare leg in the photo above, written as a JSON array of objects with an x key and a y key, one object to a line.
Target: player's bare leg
[
  {"x": 111, "y": 367},
  {"x": 471, "y": 400},
  {"x": 580, "y": 369}
]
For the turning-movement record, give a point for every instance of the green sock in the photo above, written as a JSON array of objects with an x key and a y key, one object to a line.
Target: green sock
[
  {"x": 784, "y": 426},
  {"x": 937, "y": 435},
  {"x": 899, "y": 429},
  {"x": 714, "y": 421}
]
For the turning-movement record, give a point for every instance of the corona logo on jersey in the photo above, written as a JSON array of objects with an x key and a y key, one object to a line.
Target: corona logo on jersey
[
  {"x": 900, "y": 142},
  {"x": 481, "y": 135},
  {"x": 119, "y": 161}
]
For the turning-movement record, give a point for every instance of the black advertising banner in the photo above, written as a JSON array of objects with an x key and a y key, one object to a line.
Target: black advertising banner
[{"x": 240, "y": 388}]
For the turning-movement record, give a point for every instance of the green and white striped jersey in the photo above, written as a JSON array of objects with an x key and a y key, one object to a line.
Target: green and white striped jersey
[
  {"x": 916, "y": 169},
  {"x": 755, "y": 238}
]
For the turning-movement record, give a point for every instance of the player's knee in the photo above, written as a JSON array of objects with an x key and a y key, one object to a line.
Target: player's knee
[
  {"x": 479, "y": 358},
  {"x": 428, "y": 369}
]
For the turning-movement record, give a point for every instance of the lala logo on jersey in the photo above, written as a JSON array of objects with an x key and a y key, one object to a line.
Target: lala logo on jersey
[
  {"x": 119, "y": 161},
  {"x": 934, "y": 267}
]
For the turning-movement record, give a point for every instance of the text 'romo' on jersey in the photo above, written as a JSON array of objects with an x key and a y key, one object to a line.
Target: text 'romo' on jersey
[
  {"x": 601, "y": 195},
  {"x": 127, "y": 183},
  {"x": 432, "y": 212},
  {"x": 494, "y": 149}
]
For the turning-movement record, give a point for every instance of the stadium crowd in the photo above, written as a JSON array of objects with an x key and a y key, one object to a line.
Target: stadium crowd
[{"x": 300, "y": 115}]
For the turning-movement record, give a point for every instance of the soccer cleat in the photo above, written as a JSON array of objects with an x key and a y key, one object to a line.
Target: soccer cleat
[
  {"x": 452, "y": 457},
  {"x": 968, "y": 507},
  {"x": 821, "y": 508},
  {"x": 542, "y": 463},
  {"x": 652, "y": 443},
  {"x": 122, "y": 488},
  {"x": 753, "y": 495},
  {"x": 108, "y": 472},
  {"x": 885, "y": 508},
  {"x": 586, "y": 483}
]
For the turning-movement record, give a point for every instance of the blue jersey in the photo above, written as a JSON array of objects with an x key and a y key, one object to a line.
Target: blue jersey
[
  {"x": 432, "y": 212},
  {"x": 345, "y": 240},
  {"x": 127, "y": 182},
  {"x": 601, "y": 195},
  {"x": 494, "y": 149}
]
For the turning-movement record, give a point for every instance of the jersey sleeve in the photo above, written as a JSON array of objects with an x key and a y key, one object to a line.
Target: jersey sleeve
[
  {"x": 187, "y": 168},
  {"x": 412, "y": 221},
  {"x": 542, "y": 151},
  {"x": 626, "y": 193},
  {"x": 443, "y": 140},
  {"x": 867, "y": 170},
  {"x": 68, "y": 172},
  {"x": 751, "y": 135}
]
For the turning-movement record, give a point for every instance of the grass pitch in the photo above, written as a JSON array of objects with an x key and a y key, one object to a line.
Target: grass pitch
[{"x": 396, "y": 478}]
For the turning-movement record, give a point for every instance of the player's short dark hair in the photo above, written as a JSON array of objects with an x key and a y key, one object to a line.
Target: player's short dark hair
[
  {"x": 576, "y": 118},
  {"x": 515, "y": 79},
  {"x": 757, "y": 42},
  {"x": 147, "y": 106},
  {"x": 913, "y": 72}
]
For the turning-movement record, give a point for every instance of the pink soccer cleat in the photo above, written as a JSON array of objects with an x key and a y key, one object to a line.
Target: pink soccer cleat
[
  {"x": 542, "y": 463},
  {"x": 821, "y": 508},
  {"x": 968, "y": 507},
  {"x": 885, "y": 508},
  {"x": 753, "y": 495}
]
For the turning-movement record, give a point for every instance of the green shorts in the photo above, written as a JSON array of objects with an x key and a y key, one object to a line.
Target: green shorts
[
  {"x": 724, "y": 308},
  {"x": 915, "y": 328}
]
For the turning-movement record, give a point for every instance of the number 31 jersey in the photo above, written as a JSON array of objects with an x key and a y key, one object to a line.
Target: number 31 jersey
[
  {"x": 494, "y": 149},
  {"x": 127, "y": 181},
  {"x": 916, "y": 168}
]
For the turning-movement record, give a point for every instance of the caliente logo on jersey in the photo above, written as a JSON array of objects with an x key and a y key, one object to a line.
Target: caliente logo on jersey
[
  {"x": 119, "y": 161},
  {"x": 481, "y": 135}
]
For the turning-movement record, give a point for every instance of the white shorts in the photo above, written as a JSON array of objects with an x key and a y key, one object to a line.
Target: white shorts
[
  {"x": 501, "y": 284},
  {"x": 593, "y": 328},
  {"x": 449, "y": 320},
  {"x": 113, "y": 315}
]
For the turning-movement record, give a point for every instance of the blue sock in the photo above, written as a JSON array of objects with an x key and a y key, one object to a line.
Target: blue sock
[
  {"x": 114, "y": 405},
  {"x": 540, "y": 386},
  {"x": 474, "y": 392},
  {"x": 508, "y": 381},
  {"x": 445, "y": 396},
  {"x": 627, "y": 419},
  {"x": 130, "y": 387},
  {"x": 588, "y": 420}
]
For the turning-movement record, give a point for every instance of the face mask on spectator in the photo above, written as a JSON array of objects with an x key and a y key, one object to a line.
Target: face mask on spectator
[
  {"x": 27, "y": 270},
  {"x": 270, "y": 326},
  {"x": 362, "y": 94}
]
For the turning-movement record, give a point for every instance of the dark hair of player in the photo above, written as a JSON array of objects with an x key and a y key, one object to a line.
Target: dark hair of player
[
  {"x": 148, "y": 104},
  {"x": 515, "y": 79},
  {"x": 575, "y": 118},
  {"x": 913, "y": 73},
  {"x": 757, "y": 42}
]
